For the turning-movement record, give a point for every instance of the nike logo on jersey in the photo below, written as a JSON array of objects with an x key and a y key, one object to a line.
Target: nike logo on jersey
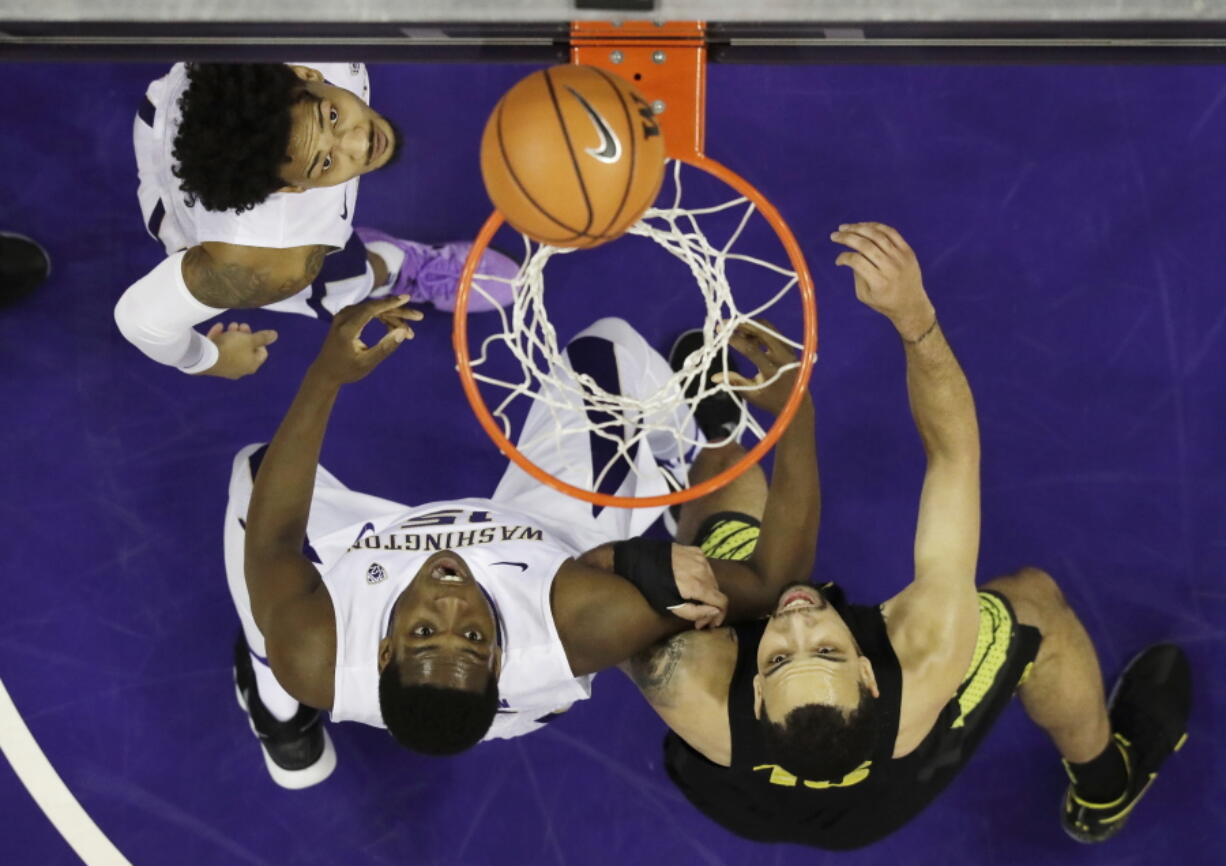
[
  {"x": 345, "y": 209},
  {"x": 610, "y": 149},
  {"x": 369, "y": 527},
  {"x": 523, "y": 566}
]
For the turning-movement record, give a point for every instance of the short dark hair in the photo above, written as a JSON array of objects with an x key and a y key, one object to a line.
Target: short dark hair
[
  {"x": 432, "y": 719},
  {"x": 822, "y": 743},
  {"x": 234, "y": 133}
]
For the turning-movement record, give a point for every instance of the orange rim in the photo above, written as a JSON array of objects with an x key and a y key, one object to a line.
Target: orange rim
[{"x": 459, "y": 341}]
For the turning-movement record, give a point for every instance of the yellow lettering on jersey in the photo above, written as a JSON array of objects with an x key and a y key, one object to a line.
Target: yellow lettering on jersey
[
  {"x": 855, "y": 777},
  {"x": 780, "y": 776}
]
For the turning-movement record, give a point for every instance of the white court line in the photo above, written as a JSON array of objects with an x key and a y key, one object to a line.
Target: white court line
[{"x": 49, "y": 790}]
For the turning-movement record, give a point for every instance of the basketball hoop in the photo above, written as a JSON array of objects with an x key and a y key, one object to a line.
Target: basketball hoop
[{"x": 531, "y": 339}]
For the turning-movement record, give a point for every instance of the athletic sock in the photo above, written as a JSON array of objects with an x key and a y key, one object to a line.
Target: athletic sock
[
  {"x": 392, "y": 257},
  {"x": 1101, "y": 779},
  {"x": 275, "y": 699}
]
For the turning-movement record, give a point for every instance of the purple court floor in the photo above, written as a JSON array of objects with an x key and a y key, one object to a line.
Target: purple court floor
[{"x": 1070, "y": 223}]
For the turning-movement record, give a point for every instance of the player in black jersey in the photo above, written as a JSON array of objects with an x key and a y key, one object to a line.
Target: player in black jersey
[{"x": 832, "y": 724}]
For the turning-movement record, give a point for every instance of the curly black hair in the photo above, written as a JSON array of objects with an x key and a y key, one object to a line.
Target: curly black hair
[
  {"x": 823, "y": 743},
  {"x": 234, "y": 134},
  {"x": 435, "y": 720}
]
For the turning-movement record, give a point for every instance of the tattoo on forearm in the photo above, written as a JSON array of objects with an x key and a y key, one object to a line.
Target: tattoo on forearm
[
  {"x": 235, "y": 286},
  {"x": 652, "y": 669}
]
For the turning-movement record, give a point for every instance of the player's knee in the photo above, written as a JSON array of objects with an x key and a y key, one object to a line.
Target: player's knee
[
  {"x": 1040, "y": 588},
  {"x": 1033, "y": 594}
]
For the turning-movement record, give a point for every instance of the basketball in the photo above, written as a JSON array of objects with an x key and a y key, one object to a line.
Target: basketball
[{"x": 572, "y": 156}]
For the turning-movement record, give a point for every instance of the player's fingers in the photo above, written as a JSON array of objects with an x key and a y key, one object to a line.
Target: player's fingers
[
  {"x": 875, "y": 233},
  {"x": 354, "y": 318},
  {"x": 265, "y": 338},
  {"x": 244, "y": 328},
  {"x": 749, "y": 344},
  {"x": 391, "y": 340},
  {"x": 779, "y": 349},
  {"x": 863, "y": 244},
  {"x": 732, "y": 378},
  {"x": 895, "y": 237},
  {"x": 863, "y": 268},
  {"x": 707, "y": 595},
  {"x": 694, "y": 613},
  {"x": 215, "y": 330},
  {"x": 396, "y": 318}
]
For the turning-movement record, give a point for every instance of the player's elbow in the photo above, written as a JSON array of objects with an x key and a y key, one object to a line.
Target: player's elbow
[{"x": 126, "y": 315}]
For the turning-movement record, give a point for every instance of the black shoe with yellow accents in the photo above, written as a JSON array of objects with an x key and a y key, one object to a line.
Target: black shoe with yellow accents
[{"x": 1149, "y": 710}]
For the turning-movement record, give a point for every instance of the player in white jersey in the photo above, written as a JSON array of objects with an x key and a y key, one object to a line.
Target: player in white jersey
[
  {"x": 249, "y": 177},
  {"x": 453, "y": 622}
]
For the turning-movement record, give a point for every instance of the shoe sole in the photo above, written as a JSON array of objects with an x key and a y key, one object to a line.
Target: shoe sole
[{"x": 293, "y": 780}]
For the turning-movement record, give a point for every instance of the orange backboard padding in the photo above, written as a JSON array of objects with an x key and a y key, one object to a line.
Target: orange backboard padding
[{"x": 667, "y": 62}]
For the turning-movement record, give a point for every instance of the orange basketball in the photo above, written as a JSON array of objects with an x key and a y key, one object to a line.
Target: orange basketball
[{"x": 572, "y": 156}]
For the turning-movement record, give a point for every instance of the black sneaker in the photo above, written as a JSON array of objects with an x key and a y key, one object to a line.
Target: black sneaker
[
  {"x": 298, "y": 752},
  {"x": 719, "y": 414},
  {"x": 24, "y": 265},
  {"x": 1149, "y": 709}
]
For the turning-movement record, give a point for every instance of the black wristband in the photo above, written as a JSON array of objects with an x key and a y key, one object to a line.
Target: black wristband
[{"x": 648, "y": 564}]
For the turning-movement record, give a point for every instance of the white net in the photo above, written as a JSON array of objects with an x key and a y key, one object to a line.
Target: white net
[{"x": 633, "y": 422}]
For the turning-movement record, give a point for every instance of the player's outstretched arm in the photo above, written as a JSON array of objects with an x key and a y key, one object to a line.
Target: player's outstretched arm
[
  {"x": 159, "y": 312},
  {"x": 787, "y": 544},
  {"x": 934, "y": 620},
  {"x": 287, "y": 598},
  {"x": 887, "y": 279}
]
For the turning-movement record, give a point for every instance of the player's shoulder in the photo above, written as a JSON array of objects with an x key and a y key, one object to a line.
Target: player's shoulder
[
  {"x": 933, "y": 630},
  {"x": 686, "y": 680},
  {"x": 689, "y": 666}
]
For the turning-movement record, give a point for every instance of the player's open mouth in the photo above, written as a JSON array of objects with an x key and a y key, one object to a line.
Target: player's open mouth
[
  {"x": 446, "y": 574},
  {"x": 448, "y": 570},
  {"x": 378, "y": 143},
  {"x": 798, "y": 598}
]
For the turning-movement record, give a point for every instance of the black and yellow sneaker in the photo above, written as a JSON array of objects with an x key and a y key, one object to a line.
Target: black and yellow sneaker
[
  {"x": 719, "y": 414},
  {"x": 298, "y": 753},
  {"x": 1149, "y": 709}
]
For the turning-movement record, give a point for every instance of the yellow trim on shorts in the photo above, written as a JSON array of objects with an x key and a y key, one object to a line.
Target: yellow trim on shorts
[
  {"x": 991, "y": 652},
  {"x": 730, "y": 539}
]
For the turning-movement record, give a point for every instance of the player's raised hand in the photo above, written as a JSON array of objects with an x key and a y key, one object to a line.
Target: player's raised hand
[
  {"x": 705, "y": 605},
  {"x": 240, "y": 352},
  {"x": 887, "y": 275},
  {"x": 344, "y": 357},
  {"x": 769, "y": 389}
]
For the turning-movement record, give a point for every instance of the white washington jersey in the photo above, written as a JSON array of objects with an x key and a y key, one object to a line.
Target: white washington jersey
[
  {"x": 323, "y": 215},
  {"x": 512, "y": 557}
]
